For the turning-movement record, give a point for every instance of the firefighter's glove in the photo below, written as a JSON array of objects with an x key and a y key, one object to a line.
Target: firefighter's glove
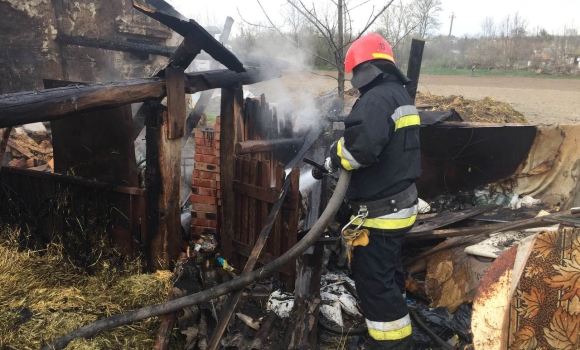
[
  {"x": 349, "y": 240},
  {"x": 329, "y": 166}
]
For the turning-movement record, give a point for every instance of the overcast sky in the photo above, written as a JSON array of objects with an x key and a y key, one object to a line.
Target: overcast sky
[{"x": 552, "y": 15}]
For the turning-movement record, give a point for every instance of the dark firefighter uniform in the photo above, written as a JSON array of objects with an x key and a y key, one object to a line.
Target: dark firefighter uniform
[{"x": 381, "y": 147}]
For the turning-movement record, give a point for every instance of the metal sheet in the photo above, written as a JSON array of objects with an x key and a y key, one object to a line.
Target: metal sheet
[{"x": 463, "y": 156}]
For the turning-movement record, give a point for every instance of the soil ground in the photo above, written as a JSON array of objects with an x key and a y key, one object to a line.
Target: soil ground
[{"x": 540, "y": 100}]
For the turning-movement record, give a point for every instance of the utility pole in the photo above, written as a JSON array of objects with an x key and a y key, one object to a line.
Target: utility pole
[{"x": 451, "y": 26}]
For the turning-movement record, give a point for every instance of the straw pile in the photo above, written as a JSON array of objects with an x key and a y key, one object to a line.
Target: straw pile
[
  {"x": 486, "y": 110},
  {"x": 44, "y": 296}
]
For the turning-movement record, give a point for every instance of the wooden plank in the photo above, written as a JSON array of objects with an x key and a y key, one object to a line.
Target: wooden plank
[
  {"x": 264, "y": 205},
  {"x": 231, "y": 108},
  {"x": 254, "y": 146},
  {"x": 238, "y": 196},
  {"x": 280, "y": 175},
  {"x": 75, "y": 180},
  {"x": 245, "y": 201},
  {"x": 253, "y": 225},
  {"x": 447, "y": 219},
  {"x": 292, "y": 238},
  {"x": 175, "y": 88},
  {"x": 268, "y": 195}
]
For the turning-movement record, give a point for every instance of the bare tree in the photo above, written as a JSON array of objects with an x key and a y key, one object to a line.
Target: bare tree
[
  {"x": 332, "y": 22},
  {"x": 426, "y": 12},
  {"x": 397, "y": 22}
]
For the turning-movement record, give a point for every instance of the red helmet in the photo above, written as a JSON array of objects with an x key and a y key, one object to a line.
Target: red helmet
[{"x": 369, "y": 47}]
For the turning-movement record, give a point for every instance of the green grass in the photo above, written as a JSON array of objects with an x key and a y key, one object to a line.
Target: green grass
[
  {"x": 493, "y": 73},
  {"x": 326, "y": 67}
]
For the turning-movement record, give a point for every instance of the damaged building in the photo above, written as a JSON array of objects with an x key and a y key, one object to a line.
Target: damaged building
[{"x": 245, "y": 255}]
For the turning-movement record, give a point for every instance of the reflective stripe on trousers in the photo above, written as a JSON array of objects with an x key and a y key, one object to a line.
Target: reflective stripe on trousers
[{"x": 394, "y": 330}]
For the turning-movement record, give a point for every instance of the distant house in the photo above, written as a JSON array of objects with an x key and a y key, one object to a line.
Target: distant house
[{"x": 573, "y": 59}]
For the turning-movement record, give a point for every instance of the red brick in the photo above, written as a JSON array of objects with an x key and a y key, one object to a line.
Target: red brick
[
  {"x": 219, "y": 194},
  {"x": 203, "y": 199},
  {"x": 204, "y": 183},
  {"x": 206, "y": 175},
  {"x": 218, "y": 119},
  {"x": 204, "y": 215},
  {"x": 204, "y": 223},
  {"x": 202, "y": 191},
  {"x": 219, "y": 202},
  {"x": 206, "y": 208},
  {"x": 204, "y": 158},
  {"x": 207, "y": 150},
  {"x": 217, "y": 128},
  {"x": 216, "y": 136},
  {"x": 218, "y": 186},
  {"x": 207, "y": 167}
]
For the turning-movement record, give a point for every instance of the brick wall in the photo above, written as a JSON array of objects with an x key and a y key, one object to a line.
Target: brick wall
[{"x": 205, "y": 187}]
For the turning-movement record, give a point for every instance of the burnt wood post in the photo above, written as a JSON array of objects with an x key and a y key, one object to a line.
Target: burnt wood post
[
  {"x": 231, "y": 111},
  {"x": 414, "y": 68},
  {"x": 162, "y": 179}
]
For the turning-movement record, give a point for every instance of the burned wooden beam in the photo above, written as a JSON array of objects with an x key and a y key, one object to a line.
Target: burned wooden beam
[
  {"x": 165, "y": 14},
  {"x": 195, "y": 115},
  {"x": 116, "y": 45},
  {"x": 414, "y": 68},
  {"x": 221, "y": 78},
  {"x": 51, "y": 104},
  {"x": 252, "y": 146}
]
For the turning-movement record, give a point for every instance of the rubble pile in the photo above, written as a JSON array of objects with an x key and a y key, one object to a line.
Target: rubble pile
[
  {"x": 486, "y": 110},
  {"x": 29, "y": 146}
]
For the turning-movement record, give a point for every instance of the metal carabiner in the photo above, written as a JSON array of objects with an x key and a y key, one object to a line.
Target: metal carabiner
[{"x": 362, "y": 214}]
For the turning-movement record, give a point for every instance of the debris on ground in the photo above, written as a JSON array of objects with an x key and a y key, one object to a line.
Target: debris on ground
[
  {"x": 486, "y": 110},
  {"x": 29, "y": 146}
]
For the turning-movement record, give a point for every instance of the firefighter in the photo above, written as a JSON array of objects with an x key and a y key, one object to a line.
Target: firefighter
[{"x": 380, "y": 146}]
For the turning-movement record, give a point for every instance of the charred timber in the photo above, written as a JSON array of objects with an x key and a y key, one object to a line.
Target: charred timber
[
  {"x": 116, "y": 45},
  {"x": 167, "y": 15},
  {"x": 253, "y": 146},
  {"x": 51, "y": 104}
]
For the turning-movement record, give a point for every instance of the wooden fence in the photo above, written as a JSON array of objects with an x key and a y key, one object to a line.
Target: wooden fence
[{"x": 254, "y": 197}]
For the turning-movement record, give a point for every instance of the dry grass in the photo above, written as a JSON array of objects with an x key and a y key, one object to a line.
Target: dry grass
[
  {"x": 44, "y": 296},
  {"x": 486, "y": 110}
]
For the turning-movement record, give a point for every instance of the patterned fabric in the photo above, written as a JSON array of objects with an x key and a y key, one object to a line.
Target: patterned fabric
[{"x": 545, "y": 309}]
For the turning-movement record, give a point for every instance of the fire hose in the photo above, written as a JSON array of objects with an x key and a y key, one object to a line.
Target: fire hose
[{"x": 222, "y": 289}]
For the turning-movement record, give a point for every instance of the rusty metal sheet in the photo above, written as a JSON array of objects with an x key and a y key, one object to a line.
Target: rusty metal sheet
[
  {"x": 95, "y": 145},
  {"x": 489, "y": 321},
  {"x": 464, "y": 156}
]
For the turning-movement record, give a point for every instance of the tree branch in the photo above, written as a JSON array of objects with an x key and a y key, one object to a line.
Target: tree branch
[
  {"x": 252, "y": 24},
  {"x": 316, "y": 22},
  {"x": 374, "y": 19},
  {"x": 292, "y": 42}
]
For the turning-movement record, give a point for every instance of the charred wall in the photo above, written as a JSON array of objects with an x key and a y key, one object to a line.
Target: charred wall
[{"x": 29, "y": 53}]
